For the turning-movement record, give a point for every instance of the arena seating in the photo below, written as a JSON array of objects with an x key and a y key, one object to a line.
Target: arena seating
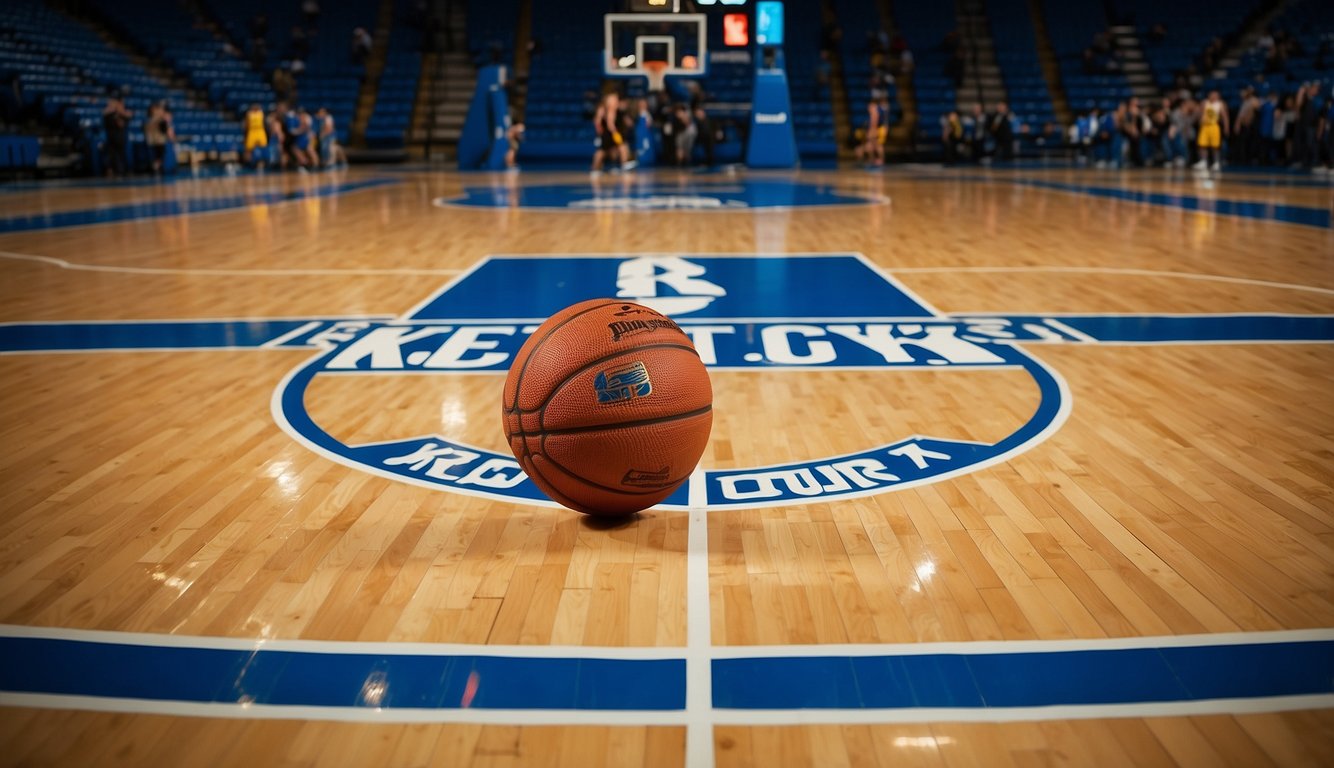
[
  {"x": 491, "y": 30},
  {"x": 1311, "y": 23},
  {"x": 18, "y": 152},
  {"x": 1017, "y": 55},
  {"x": 64, "y": 71},
  {"x": 925, "y": 26},
  {"x": 330, "y": 78},
  {"x": 397, "y": 91},
  {"x": 1189, "y": 31},
  {"x": 1072, "y": 25},
  {"x": 564, "y": 79}
]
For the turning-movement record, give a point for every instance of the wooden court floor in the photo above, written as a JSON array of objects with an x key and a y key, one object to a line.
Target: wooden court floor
[{"x": 1189, "y": 490}]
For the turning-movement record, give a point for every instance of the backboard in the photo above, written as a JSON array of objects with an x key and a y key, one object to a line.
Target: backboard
[{"x": 680, "y": 39}]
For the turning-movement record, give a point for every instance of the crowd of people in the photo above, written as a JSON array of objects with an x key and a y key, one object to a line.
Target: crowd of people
[
  {"x": 1264, "y": 129},
  {"x": 654, "y": 125},
  {"x": 288, "y": 136},
  {"x": 159, "y": 134}
]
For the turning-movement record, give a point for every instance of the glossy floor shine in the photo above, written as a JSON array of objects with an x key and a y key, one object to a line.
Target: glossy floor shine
[{"x": 1016, "y": 467}]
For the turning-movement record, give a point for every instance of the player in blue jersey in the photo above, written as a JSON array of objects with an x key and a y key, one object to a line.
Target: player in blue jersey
[{"x": 872, "y": 149}]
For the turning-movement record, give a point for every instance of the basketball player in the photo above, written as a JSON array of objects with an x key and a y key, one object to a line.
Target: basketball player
[
  {"x": 301, "y": 148},
  {"x": 610, "y": 142},
  {"x": 331, "y": 152},
  {"x": 1213, "y": 124},
  {"x": 872, "y": 150},
  {"x": 255, "y": 136}
]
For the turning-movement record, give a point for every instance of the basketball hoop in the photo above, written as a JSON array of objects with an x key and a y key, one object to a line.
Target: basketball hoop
[{"x": 657, "y": 74}]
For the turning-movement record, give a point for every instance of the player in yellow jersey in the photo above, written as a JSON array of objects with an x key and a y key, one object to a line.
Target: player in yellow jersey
[
  {"x": 255, "y": 135},
  {"x": 1213, "y": 124}
]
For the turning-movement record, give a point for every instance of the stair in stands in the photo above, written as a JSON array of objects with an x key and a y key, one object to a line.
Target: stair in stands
[
  {"x": 442, "y": 106},
  {"x": 901, "y": 143},
  {"x": 1250, "y": 33},
  {"x": 982, "y": 83},
  {"x": 522, "y": 62},
  {"x": 384, "y": 22},
  {"x": 1051, "y": 70},
  {"x": 1139, "y": 74}
]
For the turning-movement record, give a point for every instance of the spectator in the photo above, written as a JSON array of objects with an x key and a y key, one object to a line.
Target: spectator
[
  {"x": 259, "y": 53},
  {"x": 1157, "y": 33},
  {"x": 823, "y": 74},
  {"x": 1269, "y": 115},
  {"x": 1308, "y": 123},
  {"x": 284, "y": 84},
  {"x": 116, "y": 123},
  {"x": 361, "y": 45},
  {"x": 977, "y": 133},
  {"x": 159, "y": 133},
  {"x": 298, "y": 46},
  {"x": 259, "y": 26},
  {"x": 1001, "y": 129},
  {"x": 311, "y": 10},
  {"x": 705, "y": 134},
  {"x": 683, "y": 125},
  {"x": 951, "y": 136}
]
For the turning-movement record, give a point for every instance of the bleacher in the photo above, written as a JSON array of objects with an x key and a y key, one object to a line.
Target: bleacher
[
  {"x": 1072, "y": 25},
  {"x": 1017, "y": 54},
  {"x": 490, "y": 29},
  {"x": 858, "y": 19},
  {"x": 562, "y": 75},
  {"x": 812, "y": 108},
  {"x": 1311, "y": 23},
  {"x": 166, "y": 31},
  {"x": 397, "y": 91},
  {"x": 63, "y": 72},
  {"x": 1189, "y": 32},
  {"x": 330, "y": 78},
  {"x": 925, "y": 26}
]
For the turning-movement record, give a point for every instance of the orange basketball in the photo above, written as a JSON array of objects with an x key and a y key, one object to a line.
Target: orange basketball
[{"x": 608, "y": 407}]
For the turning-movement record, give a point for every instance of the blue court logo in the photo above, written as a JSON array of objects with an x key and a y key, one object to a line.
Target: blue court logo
[
  {"x": 744, "y": 313},
  {"x": 646, "y": 193}
]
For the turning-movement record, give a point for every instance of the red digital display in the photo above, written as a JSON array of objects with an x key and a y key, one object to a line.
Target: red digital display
[{"x": 736, "y": 29}]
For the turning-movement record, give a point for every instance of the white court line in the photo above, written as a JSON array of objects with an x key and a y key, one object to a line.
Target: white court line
[
  {"x": 744, "y": 717},
  {"x": 64, "y": 264},
  {"x": 1020, "y": 714},
  {"x": 699, "y": 623},
  {"x": 1115, "y": 271}
]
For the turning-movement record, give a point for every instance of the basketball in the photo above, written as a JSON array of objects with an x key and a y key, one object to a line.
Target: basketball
[{"x": 608, "y": 407}]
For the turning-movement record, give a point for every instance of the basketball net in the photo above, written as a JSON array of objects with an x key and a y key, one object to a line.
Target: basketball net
[{"x": 657, "y": 74}]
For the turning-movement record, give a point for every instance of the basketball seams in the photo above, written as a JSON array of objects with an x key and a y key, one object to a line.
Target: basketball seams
[
  {"x": 522, "y": 434},
  {"x": 543, "y": 432},
  {"x": 599, "y": 486},
  {"x": 523, "y": 369}
]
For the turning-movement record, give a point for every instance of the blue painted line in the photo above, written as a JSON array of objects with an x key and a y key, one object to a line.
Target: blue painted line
[
  {"x": 162, "y": 208},
  {"x": 1289, "y": 214},
  {"x": 203, "y": 334},
  {"x": 292, "y": 678},
  {"x": 993, "y": 680},
  {"x": 1311, "y": 183},
  {"x": 1149, "y": 329},
  {"x": 1061, "y": 678}
]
